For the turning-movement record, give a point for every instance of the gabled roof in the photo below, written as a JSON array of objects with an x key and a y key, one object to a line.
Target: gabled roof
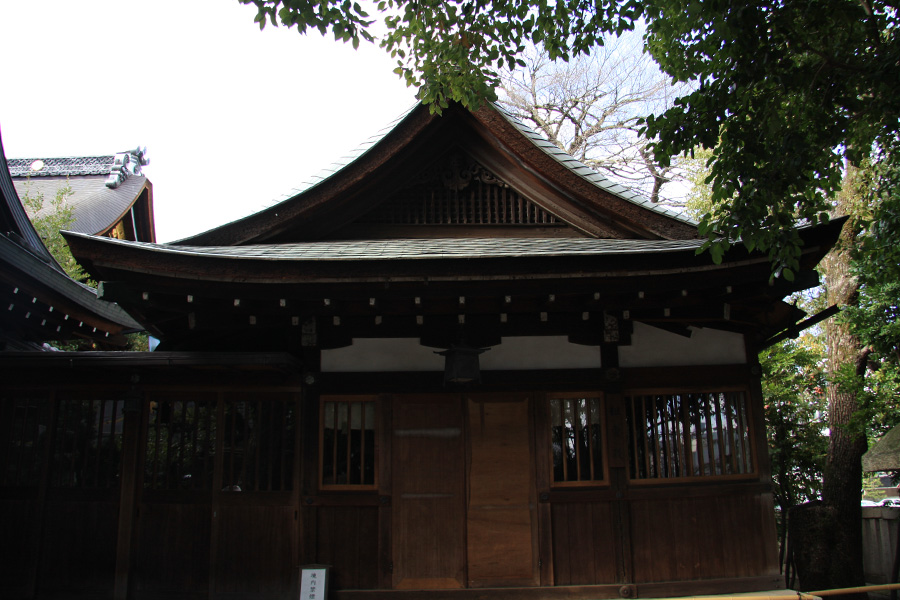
[
  {"x": 40, "y": 302},
  {"x": 465, "y": 220},
  {"x": 104, "y": 189},
  {"x": 458, "y": 146}
]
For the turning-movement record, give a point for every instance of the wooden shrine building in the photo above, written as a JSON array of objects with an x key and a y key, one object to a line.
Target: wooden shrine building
[{"x": 315, "y": 397}]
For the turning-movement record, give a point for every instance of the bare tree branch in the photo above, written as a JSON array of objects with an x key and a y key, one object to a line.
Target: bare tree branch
[{"x": 591, "y": 107}]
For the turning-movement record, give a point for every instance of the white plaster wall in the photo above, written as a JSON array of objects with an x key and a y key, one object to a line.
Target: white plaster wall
[
  {"x": 406, "y": 354},
  {"x": 653, "y": 347}
]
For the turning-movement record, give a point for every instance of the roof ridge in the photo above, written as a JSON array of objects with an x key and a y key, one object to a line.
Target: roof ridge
[{"x": 116, "y": 166}]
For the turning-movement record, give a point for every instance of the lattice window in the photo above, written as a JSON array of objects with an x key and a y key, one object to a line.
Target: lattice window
[
  {"x": 256, "y": 434},
  {"x": 458, "y": 191},
  {"x": 259, "y": 432},
  {"x": 79, "y": 439},
  {"x": 688, "y": 435},
  {"x": 576, "y": 425},
  {"x": 87, "y": 443},
  {"x": 25, "y": 433},
  {"x": 347, "y": 443},
  {"x": 180, "y": 450}
]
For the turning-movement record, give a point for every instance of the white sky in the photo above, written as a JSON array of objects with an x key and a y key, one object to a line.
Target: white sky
[{"x": 232, "y": 117}]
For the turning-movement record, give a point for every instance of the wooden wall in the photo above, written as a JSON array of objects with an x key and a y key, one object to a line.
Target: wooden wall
[
  {"x": 447, "y": 462},
  {"x": 346, "y": 537},
  {"x": 584, "y": 543},
  {"x": 678, "y": 536}
]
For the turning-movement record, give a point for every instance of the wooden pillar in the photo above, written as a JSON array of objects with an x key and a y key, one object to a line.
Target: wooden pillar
[
  {"x": 41, "y": 499},
  {"x": 216, "y": 494},
  {"x": 542, "y": 444},
  {"x": 128, "y": 493},
  {"x": 308, "y": 431},
  {"x": 384, "y": 427},
  {"x": 617, "y": 440}
]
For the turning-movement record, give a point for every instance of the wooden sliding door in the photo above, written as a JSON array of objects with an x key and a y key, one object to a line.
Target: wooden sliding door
[
  {"x": 428, "y": 464},
  {"x": 463, "y": 492},
  {"x": 500, "y": 519}
]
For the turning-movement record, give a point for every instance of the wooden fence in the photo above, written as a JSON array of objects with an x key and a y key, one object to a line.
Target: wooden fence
[{"x": 880, "y": 530}]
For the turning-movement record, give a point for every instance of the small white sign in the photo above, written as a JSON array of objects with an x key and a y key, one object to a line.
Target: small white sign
[{"x": 313, "y": 583}]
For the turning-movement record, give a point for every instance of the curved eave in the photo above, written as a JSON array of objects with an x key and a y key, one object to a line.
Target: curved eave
[
  {"x": 419, "y": 260},
  {"x": 143, "y": 211},
  {"x": 55, "y": 306}
]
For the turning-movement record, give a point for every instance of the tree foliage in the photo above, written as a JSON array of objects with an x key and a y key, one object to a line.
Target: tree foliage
[
  {"x": 793, "y": 391},
  {"x": 793, "y": 384},
  {"x": 48, "y": 221},
  {"x": 786, "y": 91},
  {"x": 452, "y": 50},
  {"x": 875, "y": 316}
]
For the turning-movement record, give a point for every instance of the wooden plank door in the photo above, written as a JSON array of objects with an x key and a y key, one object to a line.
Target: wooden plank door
[
  {"x": 428, "y": 469},
  {"x": 501, "y": 520}
]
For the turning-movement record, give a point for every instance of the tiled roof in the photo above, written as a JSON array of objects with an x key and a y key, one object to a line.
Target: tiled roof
[
  {"x": 574, "y": 165},
  {"x": 94, "y": 205},
  {"x": 420, "y": 249}
]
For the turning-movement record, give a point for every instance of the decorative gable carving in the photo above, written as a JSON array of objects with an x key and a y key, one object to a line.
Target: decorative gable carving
[{"x": 457, "y": 190}]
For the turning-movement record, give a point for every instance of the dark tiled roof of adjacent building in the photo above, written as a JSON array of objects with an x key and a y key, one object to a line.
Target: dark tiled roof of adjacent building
[
  {"x": 94, "y": 205},
  {"x": 103, "y": 188}
]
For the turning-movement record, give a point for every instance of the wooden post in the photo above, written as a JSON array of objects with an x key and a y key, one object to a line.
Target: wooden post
[
  {"x": 385, "y": 524},
  {"x": 131, "y": 447},
  {"x": 41, "y": 500},
  {"x": 215, "y": 503}
]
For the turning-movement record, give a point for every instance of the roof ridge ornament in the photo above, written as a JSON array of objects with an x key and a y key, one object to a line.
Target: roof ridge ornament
[{"x": 125, "y": 164}]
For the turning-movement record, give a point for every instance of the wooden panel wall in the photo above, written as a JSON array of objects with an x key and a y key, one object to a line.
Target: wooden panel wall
[
  {"x": 256, "y": 551},
  {"x": 584, "y": 544},
  {"x": 78, "y": 550},
  {"x": 347, "y": 539},
  {"x": 19, "y": 551},
  {"x": 689, "y": 538},
  {"x": 173, "y": 553}
]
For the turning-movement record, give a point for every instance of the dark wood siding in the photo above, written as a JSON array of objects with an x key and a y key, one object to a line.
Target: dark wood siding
[
  {"x": 702, "y": 537},
  {"x": 347, "y": 539},
  {"x": 173, "y": 554},
  {"x": 584, "y": 543},
  {"x": 79, "y": 546}
]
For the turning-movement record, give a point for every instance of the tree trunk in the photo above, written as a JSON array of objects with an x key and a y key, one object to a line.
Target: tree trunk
[{"x": 836, "y": 524}]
